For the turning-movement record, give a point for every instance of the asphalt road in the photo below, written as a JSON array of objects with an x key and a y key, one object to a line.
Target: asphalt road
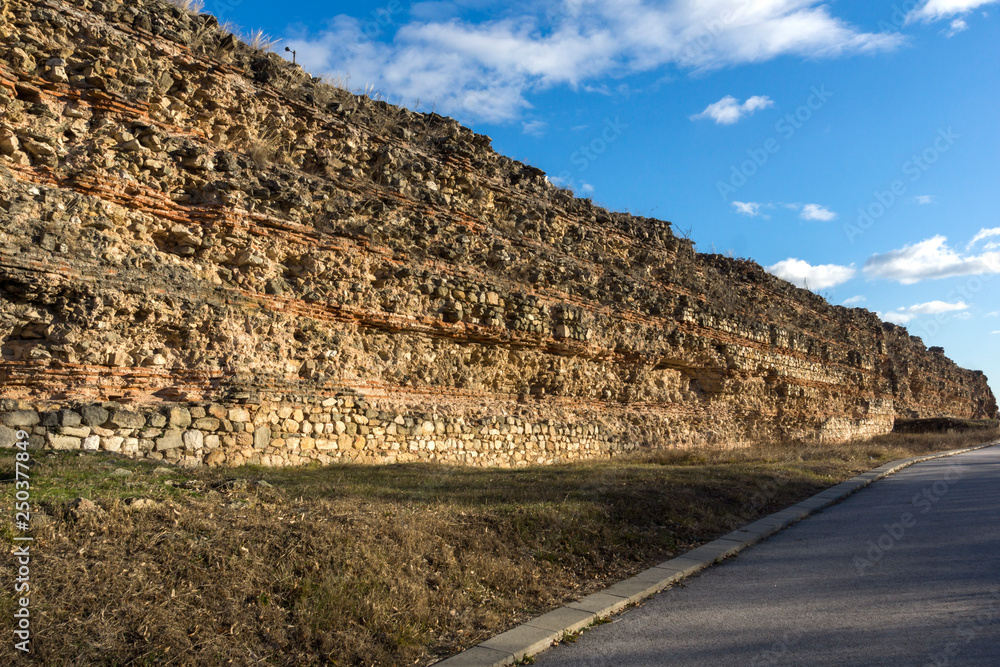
[{"x": 904, "y": 572}]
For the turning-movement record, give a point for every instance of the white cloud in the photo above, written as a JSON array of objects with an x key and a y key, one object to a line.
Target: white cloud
[
  {"x": 957, "y": 26},
  {"x": 535, "y": 128},
  {"x": 983, "y": 234},
  {"x": 995, "y": 332},
  {"x": 853, "y": 300},
  {"x": 929, "y": 260},
  {"x": 935, "y": 10},
  {"x": 809, "y": 211},
  {"x": 923, "y": 200},
  {"x": 802, "y": 274},
  {"x": 995, "y": 313},
  {"x": 486, "y": 71},
  {"x": 905, "y": 315},
  {"x": 729, "y": 110},
  {"x": 816, "y": 212},
  {"x": 751, "y": 208}
]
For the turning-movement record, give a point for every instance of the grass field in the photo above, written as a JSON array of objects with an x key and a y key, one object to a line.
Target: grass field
[{"x": 388, "y": 565}]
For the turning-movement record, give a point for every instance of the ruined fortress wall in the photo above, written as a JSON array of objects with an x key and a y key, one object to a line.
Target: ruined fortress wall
[{"x": 208, "y": 256}]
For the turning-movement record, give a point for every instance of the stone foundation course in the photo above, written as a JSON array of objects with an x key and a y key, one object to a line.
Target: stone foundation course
[{"x": 339, "y": 429}]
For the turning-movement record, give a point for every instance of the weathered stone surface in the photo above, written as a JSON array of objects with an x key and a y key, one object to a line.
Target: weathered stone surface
[
  {"x": 112, "y": 443},
  {"x": 171, "y": 439},
  {"x": 179, "y": 417},
  {"x": 193, "y": 440},
  {"x": 380, "y": 285},
  {"x": 20, "y": 418},
  {"x": 8, "y": 436},
  {"x": 69, "y": 418},
  {"x": 262, "y": 437},
  {"x": 127, "y": 419},
  {"x": 206, "y": 424},
  {"x": 62, "y": 442},
  {"x": 94, "y": 415},
  {"x": 156, "y": 420}
]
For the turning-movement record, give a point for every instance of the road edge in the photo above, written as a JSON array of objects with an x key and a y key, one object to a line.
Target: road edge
[{"x": 538, "y": 634}]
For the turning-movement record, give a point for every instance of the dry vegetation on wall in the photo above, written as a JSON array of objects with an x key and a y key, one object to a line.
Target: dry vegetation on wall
[{"x": 373, "y": 565}]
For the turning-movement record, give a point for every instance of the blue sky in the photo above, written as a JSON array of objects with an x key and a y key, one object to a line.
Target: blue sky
[{"x": 850, "y": 147}]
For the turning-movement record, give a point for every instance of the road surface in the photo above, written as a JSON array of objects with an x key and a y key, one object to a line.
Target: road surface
[{"x": 904, "y": 572}]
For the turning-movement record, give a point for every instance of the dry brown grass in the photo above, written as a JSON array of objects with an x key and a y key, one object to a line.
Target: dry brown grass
[
  {"x": 385, "y": 565},
  {"x": 260, "y": 40}
]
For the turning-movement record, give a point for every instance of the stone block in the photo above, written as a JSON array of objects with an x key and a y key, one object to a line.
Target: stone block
[
  {"x": 113, "y": 443},
  {"x": 261, "y": 437},
  {"x": 92, "y": 443},
  {"x": 193, "y": 440},
  {"x": 8, "y": 436},
  {"x": 171, "y": 439},
  {"x": 53, "y": 441},
  {"x": 94, "y": 415},
  {"x": 20, "y": 418},
  {"x": 179, "y": 417},
  {"x": 127, "y": 419},
  {"x": 239, "y": 415},
  {"x": 206, "y": 424},
  {"x": 215, "y": 458},
  {"x": 69, "y": 418}
]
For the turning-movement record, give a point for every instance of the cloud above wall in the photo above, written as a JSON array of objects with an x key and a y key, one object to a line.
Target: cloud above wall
[
  {"x": 802, "y": 274},
  {"x": 487, "y": 70},
  {"x": 933, "y": 258},
  {"x": 906, "y": 315}
]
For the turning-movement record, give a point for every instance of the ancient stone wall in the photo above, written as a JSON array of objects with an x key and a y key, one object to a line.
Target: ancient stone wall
[
  {"x": 187, "y": 224},
  {"x": 340, "y": 429}
]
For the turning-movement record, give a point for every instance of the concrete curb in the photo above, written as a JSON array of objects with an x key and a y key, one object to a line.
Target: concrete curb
[{"x": 540, "y": 633}]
